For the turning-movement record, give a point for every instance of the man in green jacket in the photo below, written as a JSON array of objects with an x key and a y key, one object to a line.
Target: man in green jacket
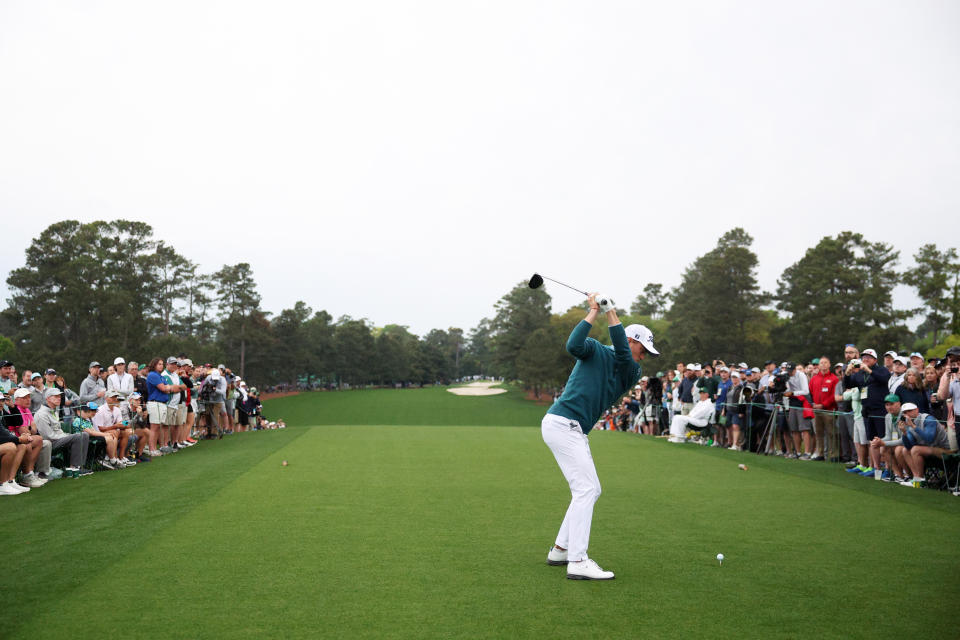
[{"x": 601, "y": 375}]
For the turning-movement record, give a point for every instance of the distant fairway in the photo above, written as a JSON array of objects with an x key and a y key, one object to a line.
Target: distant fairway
[{"x": 442, "y": 531}]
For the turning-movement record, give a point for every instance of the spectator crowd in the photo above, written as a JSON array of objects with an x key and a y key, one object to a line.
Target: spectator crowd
[
  {"x": 889, "y": 417},
  {"x": 120, "y": 416}
]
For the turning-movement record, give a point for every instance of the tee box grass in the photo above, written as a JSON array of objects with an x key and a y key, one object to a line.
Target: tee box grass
[{"x": 389, "y": 523}]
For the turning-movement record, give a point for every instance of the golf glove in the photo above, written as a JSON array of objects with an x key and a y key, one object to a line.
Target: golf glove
[{"x": 605, "y": 303}]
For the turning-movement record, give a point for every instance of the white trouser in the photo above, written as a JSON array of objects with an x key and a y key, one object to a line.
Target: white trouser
[
  {"x": 678, "y": 427},
  {"x": 572, "y": 450}
]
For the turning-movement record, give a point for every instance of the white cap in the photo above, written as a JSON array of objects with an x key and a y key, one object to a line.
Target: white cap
[
  {"x": 907, "y": 406},
  {"x": 644, "y": 378},
  {"x": 215, "y": 374},
  {"x": 642, "y": 335},
  {"x": 119, "y": 360},
  {"x": 21, "y": 392},
  {"x": 890, "y": 353},
  {"x": 915, "y": 354},
  {"x": 186, "y": 362},
  {"x": 869, "y": 352},
  {"x": 902, "y": 360},
  {"x": 735, "y": 374}
]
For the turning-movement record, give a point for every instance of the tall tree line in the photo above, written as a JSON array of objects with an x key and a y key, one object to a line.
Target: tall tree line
[{"x": 95, "y": 290}]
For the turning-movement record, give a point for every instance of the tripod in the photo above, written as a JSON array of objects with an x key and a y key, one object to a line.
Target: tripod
[{"x": 769, "y": 434}]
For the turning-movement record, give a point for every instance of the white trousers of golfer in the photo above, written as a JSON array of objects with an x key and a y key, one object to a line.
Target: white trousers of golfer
[
  {"x": 678, "y": 427},
  {"x": 572, "y": 450}
]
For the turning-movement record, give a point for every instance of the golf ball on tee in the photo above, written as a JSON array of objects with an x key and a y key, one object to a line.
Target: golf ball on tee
[{"x": 720, "y": 557}]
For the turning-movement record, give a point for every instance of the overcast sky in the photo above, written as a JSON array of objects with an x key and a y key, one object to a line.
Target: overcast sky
[{"x": 410, "y": 162}]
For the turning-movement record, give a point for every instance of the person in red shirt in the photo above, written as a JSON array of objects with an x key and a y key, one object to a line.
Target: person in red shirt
[{"x": 822, "y": 389}]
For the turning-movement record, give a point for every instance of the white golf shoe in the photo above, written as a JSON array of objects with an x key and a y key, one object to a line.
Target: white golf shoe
[
  {"x": 587, "y": 569},
  {"x": 556, "y": 556}
]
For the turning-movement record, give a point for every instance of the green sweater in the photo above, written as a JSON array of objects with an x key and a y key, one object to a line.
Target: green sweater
[{"x": 601, "y": 375}]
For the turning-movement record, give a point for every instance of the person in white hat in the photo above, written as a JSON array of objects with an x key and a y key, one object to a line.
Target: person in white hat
[
  {"x": 121, "y": 382},
  {"x": 601, "y": 375},
  {"x": 922, "y": 436}
]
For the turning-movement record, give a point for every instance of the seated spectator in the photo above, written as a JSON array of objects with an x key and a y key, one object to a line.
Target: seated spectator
[
  {"x": 911, "y": 390},
  {"x": 29, "y": 447},
  {"x": 699, "y": 416},
  {"x": 139, "y": 421},
  {"x": 11, "y": 455},
  {"x": 882, "y": 449},
  {"x": 18, "y": 419},
  {"x": 108, "y": 420},
  {"x": 83, "y": 423},
  {"x": 48, "y": 425},
  {"x": 922, "y": 436}
]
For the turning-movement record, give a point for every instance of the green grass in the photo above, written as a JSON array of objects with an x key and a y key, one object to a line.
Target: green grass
[
  {"x": 442, "y": 531},
  {"x": 427, "y": 406}
]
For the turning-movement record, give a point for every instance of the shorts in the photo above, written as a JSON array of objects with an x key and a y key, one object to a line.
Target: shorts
[
  {"x": 649, "y": 412},
  {"x": 735, "y": 419},
  {"x": 192, "y": 406},
  {"x": 252, "y": 420},
  {"x": 797, "y": 422},
  {"x": 860, "y": 432},
  {"x": 230, "y": 403},
  {"x": 157, "y": 412},
  {"x": 173, "y": 415}
]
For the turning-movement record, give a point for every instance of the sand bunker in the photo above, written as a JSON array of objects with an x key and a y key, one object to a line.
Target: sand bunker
[{"x": 477, "y": 389}]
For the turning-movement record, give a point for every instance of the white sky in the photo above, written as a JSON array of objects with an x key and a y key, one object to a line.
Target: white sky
[{"x": 409, "y": 162}]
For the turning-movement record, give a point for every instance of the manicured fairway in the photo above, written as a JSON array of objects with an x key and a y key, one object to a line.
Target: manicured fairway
[{"x": 433, "y": 531}]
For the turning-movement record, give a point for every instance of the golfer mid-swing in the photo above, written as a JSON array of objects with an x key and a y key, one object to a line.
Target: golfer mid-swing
[{"x": 601, "y": 375}]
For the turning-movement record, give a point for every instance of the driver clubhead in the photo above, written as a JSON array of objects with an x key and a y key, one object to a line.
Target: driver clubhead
[{"x": 536, "y": 281}]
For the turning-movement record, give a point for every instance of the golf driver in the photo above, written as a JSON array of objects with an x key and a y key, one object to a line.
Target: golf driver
[{"x": 537, "y": 281}]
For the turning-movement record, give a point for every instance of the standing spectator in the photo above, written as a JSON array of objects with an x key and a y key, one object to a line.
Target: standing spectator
[
  {"x": 174, "y": 403},
  {"x": 823, "y": 388},
  {"x": 911, "y": 390},
  {"x": 875, "y": 380},
  {"x": 36, "y": 392},
  {"x": 888, "y": 359},
  {"x": 899, "y": 369},
  {"x": 916, "y": 361},
  {"x": 189, "y": 401},
  {"x": 734, "y": 410},
  {"x": 949, "y": 388},
  {"x": 120, "y": 381},
  {"x": 8, "y": 377},
  {"x": 48, "y": 424},
  {"x": 92, "y": 389},
  {"x": 854, "y": 395},
  {"x": 798, "y": 387},
  {"x": 139, "y": 374},
  {"x": 931, "y": 384},
  {"x": 158, "y": 394},
  {"x": 720, "y": 419},
  {"x": 685, "y": 389}
]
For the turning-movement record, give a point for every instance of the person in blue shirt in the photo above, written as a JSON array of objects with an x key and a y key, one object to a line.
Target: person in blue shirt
[{"x": 601, "y": 375}]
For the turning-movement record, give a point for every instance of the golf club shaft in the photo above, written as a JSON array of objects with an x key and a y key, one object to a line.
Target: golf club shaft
[{"x": 565, "y": 285}]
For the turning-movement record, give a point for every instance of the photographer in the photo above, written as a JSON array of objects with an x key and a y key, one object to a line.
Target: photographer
[
  {"x": 875, "y": 380},
  {"x": 950, "y": 380},
  {"x": 922, "y": 436}
]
